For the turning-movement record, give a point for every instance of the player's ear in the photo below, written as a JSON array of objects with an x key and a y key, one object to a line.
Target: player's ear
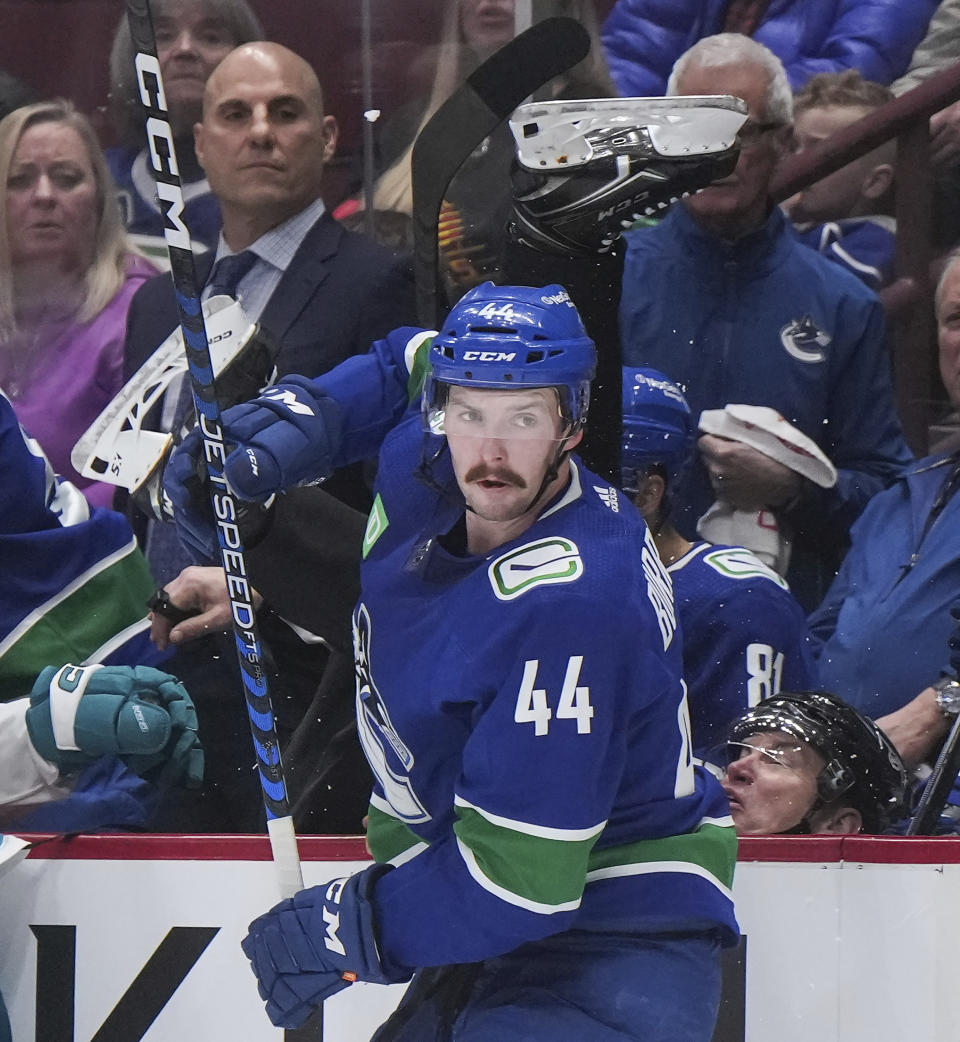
[
  {"x": 573, "y": 440},
  {"x": 837, "y": 819},
  {"x": 877, "y": 182},
  {"x": 198, "y": 142},
  {"x": 331, "y": 134}
]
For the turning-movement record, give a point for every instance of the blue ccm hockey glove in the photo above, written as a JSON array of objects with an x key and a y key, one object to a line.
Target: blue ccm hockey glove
[
  {"x": 138, "y": 714},
  {"x": 313, "y": 945},
  {"x": 285, "y": 437}
]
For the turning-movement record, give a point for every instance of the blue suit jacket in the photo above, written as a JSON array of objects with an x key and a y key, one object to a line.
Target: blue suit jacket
[{"x": 341, "y": 292}]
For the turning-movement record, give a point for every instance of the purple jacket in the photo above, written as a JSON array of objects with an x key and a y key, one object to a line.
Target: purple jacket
[
  {"x": 78, "y": 374},
  {"x": 643, "y": 38}
]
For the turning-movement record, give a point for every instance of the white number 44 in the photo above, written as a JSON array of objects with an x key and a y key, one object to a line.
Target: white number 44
[{"x": 533, "y": 707}]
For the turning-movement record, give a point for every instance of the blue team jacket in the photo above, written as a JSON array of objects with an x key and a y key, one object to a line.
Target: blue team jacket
[
  {"x": 766, "y": 321},
  {"x": 643, "y": 38},
  {"x": 881, "y": 632}
]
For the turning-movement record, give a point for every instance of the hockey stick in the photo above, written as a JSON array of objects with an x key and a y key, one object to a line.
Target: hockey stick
[
  {"x": 283, "y": 840},
  {"x": 938, "y": 787},
  {"x": 461, "y": 123}
]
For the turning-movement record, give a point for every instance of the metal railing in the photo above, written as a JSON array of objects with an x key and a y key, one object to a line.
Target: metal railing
[{"x": 908, "y": 300}]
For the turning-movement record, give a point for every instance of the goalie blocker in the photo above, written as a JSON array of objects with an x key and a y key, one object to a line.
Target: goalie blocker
[{"x": 118, "y": 448}]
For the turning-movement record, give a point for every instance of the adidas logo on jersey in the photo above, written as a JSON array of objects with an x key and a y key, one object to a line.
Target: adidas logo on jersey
[{"x": 609, "y": 496}]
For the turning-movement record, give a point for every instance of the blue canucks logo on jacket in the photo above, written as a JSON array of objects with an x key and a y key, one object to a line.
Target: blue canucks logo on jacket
[{"x": 804, "y": 341}]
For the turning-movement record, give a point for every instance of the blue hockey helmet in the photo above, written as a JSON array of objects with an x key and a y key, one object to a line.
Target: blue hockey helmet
[
  {"x": 657, "y": 427},
  {"x": 509, "y": 337}
]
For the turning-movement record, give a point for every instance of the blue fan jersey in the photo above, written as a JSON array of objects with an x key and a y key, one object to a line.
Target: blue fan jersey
[
  {"x": 524, "y": 712},
  {"x": 744, "y": 637}
]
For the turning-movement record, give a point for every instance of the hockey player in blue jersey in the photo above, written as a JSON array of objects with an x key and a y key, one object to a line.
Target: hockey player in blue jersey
[
  {"x": 744, "y": 635},
  {"x": 550, "y": 863},
  {"x": 73, "y": 589}
]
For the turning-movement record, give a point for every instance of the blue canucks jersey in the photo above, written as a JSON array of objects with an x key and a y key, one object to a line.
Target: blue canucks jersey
[
  {"x": 523, "y": 712},
  {"x": 744, "y": 637},
  {"x": 73, "y": 585},
  {"x": 142, "y": 217}
]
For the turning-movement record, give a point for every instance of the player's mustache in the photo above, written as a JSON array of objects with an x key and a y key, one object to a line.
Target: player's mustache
[{"x": 481, "y": 472}]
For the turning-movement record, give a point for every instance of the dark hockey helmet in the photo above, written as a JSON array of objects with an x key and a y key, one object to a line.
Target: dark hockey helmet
[
  {"x": 605, "y": 164},
  {"x": 507, "y": 337},
  {"x": 657, "y": 427},
  {"x": 862, "y": 765}
]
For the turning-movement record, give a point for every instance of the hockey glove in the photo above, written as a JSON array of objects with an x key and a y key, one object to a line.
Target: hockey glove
[
  {"x": 314, "y": 944},
  {"x": 139, "y": 714},
  {"x": 285, "y": 437},
  {"x": 186, "y": 487}
]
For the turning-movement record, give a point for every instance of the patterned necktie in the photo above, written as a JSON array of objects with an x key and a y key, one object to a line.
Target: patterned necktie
[
  {"x": 229, "y": 271},
  {"x": 225, "y": 277}
]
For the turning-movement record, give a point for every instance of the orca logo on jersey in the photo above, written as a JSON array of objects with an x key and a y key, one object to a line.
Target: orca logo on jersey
[
  {"x": 389, "y": 756},
  {"x": 543, "y": 563},
  {"x": 804, "y": 341},
  {"x": 740, "y": 563}
]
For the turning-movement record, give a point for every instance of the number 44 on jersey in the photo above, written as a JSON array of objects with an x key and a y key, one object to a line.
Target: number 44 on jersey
[{"x": 533, "y": 704}]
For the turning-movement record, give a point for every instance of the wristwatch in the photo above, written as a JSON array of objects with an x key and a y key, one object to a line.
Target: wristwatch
[{"x": 948, "y": 696}]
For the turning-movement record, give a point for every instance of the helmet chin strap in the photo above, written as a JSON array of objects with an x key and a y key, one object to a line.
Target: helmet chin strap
[{"x": 551, "y": 473}]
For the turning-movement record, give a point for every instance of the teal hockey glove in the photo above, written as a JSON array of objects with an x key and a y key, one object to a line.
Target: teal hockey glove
[{"x": 139, "y": 714}]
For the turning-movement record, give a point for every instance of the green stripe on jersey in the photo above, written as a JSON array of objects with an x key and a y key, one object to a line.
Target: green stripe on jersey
[
  {"x": 75, "y": 626},
  {"x": 536, "y": 870},
  {"x": 712, "y": 848},
  {"x": 387, "y": 836},
  {"x": 419, "y": 366}
]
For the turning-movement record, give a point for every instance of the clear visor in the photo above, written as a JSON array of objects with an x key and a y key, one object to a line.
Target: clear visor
[
  {"x": 528, "y": 414},
  {"x": 783, "y": 754}
]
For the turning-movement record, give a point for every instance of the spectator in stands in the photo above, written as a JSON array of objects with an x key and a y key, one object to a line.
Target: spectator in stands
[
  {"x": 643, "y": 38},
  {"x": 936, "y": 52},
  {"x": 479, "y": 201},
  {"x": 67, "y": 276},
  {"x": 193, "y": 36},
  {"x": 845, "y": 215},
  {"x": 882, "y": 629},
  {"x": 806, "y": 762},
  {"x": 744, "y": 635},
  {"x": 318, "y": 291},
  {"x": 722, "y": 298}
]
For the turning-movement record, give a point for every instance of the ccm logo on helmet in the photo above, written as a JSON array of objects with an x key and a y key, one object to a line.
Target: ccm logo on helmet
[{"x": 489, "y": 356}]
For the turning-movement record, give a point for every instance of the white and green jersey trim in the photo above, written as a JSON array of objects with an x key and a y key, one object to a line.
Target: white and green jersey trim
[
  {"x": 84, "y": 620},
  {"x": 531, "y": 866},
  {"x": 544, "y": 870}
]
